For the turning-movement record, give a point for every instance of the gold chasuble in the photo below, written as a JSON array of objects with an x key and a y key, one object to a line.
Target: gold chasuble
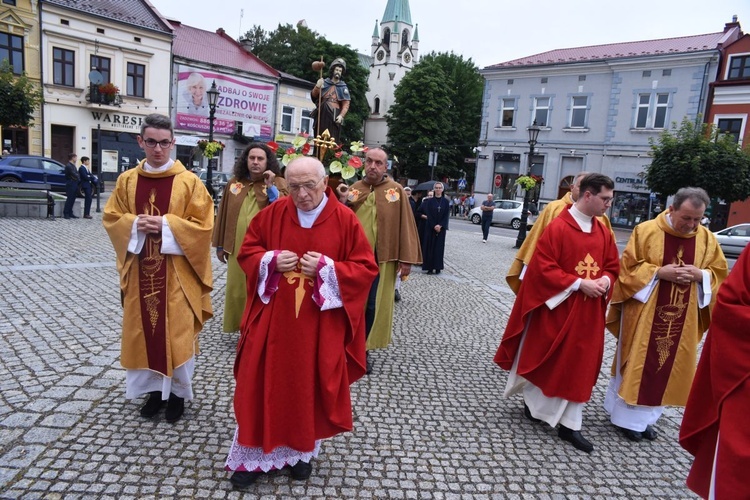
[
  {"x": 166, "y": 298},
  {"x": 659, "y": 339}
]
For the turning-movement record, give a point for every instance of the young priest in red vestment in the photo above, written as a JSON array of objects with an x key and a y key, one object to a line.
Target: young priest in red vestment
[
  {"x": 714, "y": 427},
  {"x": 309, "y": 267},
  {"x": 554, "y": 341}
]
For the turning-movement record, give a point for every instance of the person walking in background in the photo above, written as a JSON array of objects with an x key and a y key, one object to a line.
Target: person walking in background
[
  {"x": 435, "y": 212},
  {"x": 554, "y": 342},
  {"x": 87, "y": 181},
  {"x": 307, "y": 262},
  {"x": 670, "y": 272},
  {"x": 159, "y": 218},
  {"x": 255, "y": 184},
  {"x": 386, "y": 216},
  {"x": 488, "y": 210},
  {"x": 714, "y": 427},
  {"x": 71, "y": 186}
]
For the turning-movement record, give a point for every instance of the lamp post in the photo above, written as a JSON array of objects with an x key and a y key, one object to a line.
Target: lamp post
[
  {"x": 213, "y": 97},
  {"x": 534, "y": 130}
]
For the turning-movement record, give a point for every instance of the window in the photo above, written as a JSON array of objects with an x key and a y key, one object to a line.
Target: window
[
  {"x": 731, "y": 126},
  {"x": 660, "y": 117},
  {"x": 9, "y": 2},
  {"x": 136, "y": 79},
  {"x": 100, "y": 30},
  {"x": 666, "y": 72},
  {"x": 648, "y": 117},
  {"x": 63, "y": 67},
  {"x": 386, "y": 37},
  {"x": 641, "y": 118},
  {"x": 11, "y": 49},
  {"x": 541, "y": 111},
  {"x": 739, "y": 67},
  {"x": 508, "y": 113},
  {"x": 646, "y": 74},
  {"x": 287, "y": 118},
  {"x": 510, "y": 81},
  {"x": 101, "y": 64},
  {"x": 581, "y": 78},
  {"x": 544, "y": 80},
  {"x": 579, "y": 111},
  {"x": 376, "y": 109},
  {"x": 306, "y": 123}
]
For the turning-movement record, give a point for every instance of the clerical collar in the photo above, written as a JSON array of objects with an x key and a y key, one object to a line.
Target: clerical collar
[
  {"x": 158, "y": 170},
  {"x": 307, "y": 219},
  {"x": 584, "y": 221}
]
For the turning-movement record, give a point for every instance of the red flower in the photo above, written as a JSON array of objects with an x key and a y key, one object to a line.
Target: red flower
[
  {"x": 338, "y": 155},
  {"x": 365, "y": 149},
  {"x": 355, "y": 162},
  {"x": 272, "y": 146},
  {"x": 306, "y": 148},
  {"x": 291, "y": 151}
]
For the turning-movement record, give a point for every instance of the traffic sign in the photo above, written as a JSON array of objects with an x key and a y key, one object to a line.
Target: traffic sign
[
  {"x": 462, "y": 184},
  {"x": 498, "y": 180}
]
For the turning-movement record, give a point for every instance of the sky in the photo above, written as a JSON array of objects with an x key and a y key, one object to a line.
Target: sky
[{"x": 487, "y": 31}]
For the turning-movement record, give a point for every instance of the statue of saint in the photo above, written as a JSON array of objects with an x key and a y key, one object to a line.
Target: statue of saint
[{"x": 332, "y": 97}]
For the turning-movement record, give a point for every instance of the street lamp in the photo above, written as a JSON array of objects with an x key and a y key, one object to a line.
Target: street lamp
[
  {"x": 534, "y": 130},
  {"x": 213, "y": 97}
]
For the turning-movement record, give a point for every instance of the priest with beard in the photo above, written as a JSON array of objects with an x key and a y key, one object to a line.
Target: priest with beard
[{"x": 435, "y": 213}]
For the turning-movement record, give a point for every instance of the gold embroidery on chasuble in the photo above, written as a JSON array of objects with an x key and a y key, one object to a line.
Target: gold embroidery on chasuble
[
  {"x": 670, "y": 313},
  {"x": 299, "y": 292},
  {"x": 152, "y": 196},
  {"x": 588, "y": 267}
]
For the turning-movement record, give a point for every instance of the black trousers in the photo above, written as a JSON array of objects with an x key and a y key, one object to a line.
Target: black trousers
[
  {"x": 71, "y": 191},
  {"x": 486, "y": 223}
]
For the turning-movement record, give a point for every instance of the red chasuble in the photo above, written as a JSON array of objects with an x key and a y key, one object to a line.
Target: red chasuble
[
  {"x": 719, "y": 402},
  {"x": 295, "y": 362},
  {"x": 563, "y": 350}
]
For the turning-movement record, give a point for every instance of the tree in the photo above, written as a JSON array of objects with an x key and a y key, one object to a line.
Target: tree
[
  {"x": 19, "y": 97},
  {"x": 461, "y": 117},
  {"x": 293, "y": 50},
  {"x": 418, "y": 120},
  {"x": 699, "y": 155}
]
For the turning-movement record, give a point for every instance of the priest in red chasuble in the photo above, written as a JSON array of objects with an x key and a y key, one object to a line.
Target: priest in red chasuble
[
  {"x": 309, "y": 268},
  {"x": 159, "y": 218},
  {"x": 714, "y": 427},
  {"x": 661, "y": 306},
  {"x": 554, "y": 341}
]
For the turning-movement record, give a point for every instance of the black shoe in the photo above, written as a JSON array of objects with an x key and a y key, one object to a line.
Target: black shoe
[
  {"x": 650, "y": 433},
  {"x": 153, "y": 405},
  {"x": 175, "y": 409},
  {"x": 527, "y": 414},
  {"x": 429, "y": 272},
  {"x": 575, "y": 438},
  {"x": 437, "y": 271},
  {"x": 243, "y": 479},
  {"x": 630, "y": 434},
  {"x": 397, "y": 297},
  {"x": 73, "y": 216},
  {"x": 301, "y": 470},
  {"x": 67, "y": 217},
  {"x": 368, "y": 364}
]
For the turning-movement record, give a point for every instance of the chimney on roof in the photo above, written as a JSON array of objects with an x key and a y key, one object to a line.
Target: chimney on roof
[
  {"x": 220, "y": 31},
  {"x": 734, "y": 24}
]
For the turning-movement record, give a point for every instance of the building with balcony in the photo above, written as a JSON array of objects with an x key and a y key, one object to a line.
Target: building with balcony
[
  {"x": 105, "y": 65},
  {"x": 598, "y": 107},
  {"x": 20, "y": 41}
]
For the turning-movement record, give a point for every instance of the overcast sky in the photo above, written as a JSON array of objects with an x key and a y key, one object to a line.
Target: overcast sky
[{"x": 487, "y": 31}]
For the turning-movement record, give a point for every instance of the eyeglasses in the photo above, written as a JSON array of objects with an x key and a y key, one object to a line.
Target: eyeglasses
[
  {"x": 151, "y": 143},
  {"x": 606, "y": 199},
  {"x": 308, "y": 187}
]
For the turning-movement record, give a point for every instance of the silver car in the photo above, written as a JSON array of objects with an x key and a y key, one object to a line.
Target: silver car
[
  {"x": 733, "y": 240},
  {"x": 506, "y": 212}
]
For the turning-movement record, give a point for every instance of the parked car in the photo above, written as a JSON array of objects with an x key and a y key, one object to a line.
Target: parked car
[
  {"x": 218, "y": 181},
  {"x": 733, "y": 239},
  {"x": 506, "y": 212},
  {"x": 535, "y": 209},
  {"x": 36, "y": 170}
]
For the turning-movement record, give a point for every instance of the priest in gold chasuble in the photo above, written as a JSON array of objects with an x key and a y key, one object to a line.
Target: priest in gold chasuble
[
  {"x": 160, "y": 218},
  {"x": 661, "y": 306}
]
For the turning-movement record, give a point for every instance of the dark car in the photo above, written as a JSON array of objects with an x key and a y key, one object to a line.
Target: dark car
[{"x": 35, "y": 170}]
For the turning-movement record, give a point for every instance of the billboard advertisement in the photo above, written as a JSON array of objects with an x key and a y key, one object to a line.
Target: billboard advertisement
[{"x": 240, "y": 100}]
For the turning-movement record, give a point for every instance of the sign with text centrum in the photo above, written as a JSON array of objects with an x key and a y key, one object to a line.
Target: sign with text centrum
[{"x": 240, "y": 100}]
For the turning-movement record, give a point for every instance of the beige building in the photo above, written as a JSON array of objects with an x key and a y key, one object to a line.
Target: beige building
[
  {"x": 19, "y": 45},
  {"x": 295, "y": 108}
]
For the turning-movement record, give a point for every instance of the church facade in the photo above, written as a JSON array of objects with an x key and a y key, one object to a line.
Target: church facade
[{"x": 394, "y": 51}]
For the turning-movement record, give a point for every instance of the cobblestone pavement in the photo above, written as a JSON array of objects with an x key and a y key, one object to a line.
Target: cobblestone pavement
[{"x": 430, "y": 422}]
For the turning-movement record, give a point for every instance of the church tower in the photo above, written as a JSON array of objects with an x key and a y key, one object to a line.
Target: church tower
[{"x": 395, "y": 46}]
